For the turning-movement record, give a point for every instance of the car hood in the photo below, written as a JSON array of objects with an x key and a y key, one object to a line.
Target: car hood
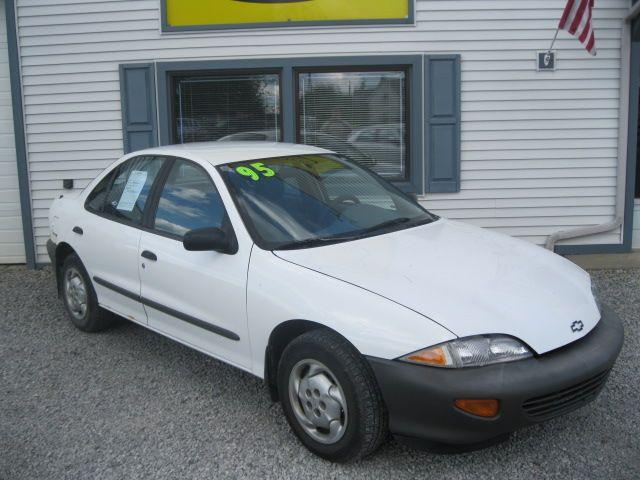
[{"x": 470, "y": 280}]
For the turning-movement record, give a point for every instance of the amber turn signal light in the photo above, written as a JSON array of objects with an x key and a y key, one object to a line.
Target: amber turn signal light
[
  {"x": 430, "y": 356},
  {"x": 487, "y": 408}
]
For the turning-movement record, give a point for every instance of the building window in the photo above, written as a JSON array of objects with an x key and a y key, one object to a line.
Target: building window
[
  {"x": 226, "y": 108},
  {"x": 375, "y": 110},
  {"x": 360, "y": 114}
]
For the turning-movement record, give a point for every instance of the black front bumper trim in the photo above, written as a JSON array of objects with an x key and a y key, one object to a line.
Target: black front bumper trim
[{"x": 421, "y": 399}]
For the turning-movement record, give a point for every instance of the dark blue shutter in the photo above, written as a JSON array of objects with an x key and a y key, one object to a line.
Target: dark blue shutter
[
  {"x": 442, "y": 107},
  {"x": 138, "y": 97}
]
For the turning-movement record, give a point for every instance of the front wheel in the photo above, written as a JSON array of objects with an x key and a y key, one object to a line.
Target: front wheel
[{"x": 330, "y": 397}]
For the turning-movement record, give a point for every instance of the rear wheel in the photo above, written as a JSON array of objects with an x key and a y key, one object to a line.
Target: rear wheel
[
  {"x": 80, "y": 300},
  {"x": 330, "y": 397}
]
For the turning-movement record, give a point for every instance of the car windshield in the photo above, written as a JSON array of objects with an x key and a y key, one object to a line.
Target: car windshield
[{"x": 310, "y": 200}]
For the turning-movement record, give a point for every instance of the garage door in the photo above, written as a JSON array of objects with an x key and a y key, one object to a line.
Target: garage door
[{"x": 11, "y": 240}]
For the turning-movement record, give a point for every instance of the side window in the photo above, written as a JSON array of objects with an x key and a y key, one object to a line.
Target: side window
[
  {"x": 189, "y": 200},
  {"x": 130, "y": 189},
  {"x": 95, "y": 200}
]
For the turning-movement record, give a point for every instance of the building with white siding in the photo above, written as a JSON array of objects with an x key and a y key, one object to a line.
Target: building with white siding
[
  {"x": 446, "y": 101},
  {"x": 11, "y": 238}
]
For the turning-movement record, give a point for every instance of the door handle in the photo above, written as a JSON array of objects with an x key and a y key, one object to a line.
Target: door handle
[
  {"x": 149, "y": 255},
  {"x": 77, "y": 230}
]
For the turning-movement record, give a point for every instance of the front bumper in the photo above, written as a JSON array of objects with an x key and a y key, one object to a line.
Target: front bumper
[{"x": 420, "y": 399}]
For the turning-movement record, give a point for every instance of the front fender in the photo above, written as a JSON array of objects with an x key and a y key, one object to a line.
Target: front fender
[{"x": 278, "y": 291}]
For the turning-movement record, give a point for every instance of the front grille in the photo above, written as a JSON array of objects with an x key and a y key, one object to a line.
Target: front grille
[{"x": 563, "y": 401}]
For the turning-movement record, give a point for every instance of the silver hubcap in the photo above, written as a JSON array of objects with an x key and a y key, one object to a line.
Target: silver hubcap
[
  {"x": 75, "y": 293},
  {"x": 318, "y": 401}
]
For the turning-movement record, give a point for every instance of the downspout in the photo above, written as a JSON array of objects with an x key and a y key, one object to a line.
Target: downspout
[
  {"x": 623, "y": 129},
  {"x": 17, "y": 103}
]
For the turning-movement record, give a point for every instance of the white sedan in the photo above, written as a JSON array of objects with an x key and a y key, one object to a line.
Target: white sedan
[{"x": 364, "y": 313}]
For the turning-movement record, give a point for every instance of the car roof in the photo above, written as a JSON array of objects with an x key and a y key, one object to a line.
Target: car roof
[{"x": 218, "y": 153}]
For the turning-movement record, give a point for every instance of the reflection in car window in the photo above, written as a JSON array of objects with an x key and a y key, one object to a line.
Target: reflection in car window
[
  {"x": 129, "y": 190},
  {"x": 189, "y": 201},
  {"x": 292, "y": 202},
  {"x": 95, "y": 200}
]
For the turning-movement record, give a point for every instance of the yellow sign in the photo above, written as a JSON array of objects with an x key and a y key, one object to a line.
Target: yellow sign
[{"x": 198, "y": 14}]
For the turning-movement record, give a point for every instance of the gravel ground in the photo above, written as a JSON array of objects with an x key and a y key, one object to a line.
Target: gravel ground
[{"x": 128, "y": 403}]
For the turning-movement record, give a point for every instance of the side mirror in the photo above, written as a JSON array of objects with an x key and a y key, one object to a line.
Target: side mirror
[{"x": 210, "y": 239}]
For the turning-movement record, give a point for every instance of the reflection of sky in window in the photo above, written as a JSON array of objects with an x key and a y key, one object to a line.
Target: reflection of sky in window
[{"x": 184, "y": 208}]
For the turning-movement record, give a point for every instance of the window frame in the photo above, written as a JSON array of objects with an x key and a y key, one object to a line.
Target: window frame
[
  {"x": 416, "y": 180},
  {"x": 406, "y": 69}
]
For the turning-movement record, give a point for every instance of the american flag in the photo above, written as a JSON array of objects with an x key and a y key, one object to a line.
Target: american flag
[{"x": 578, "y": 21}]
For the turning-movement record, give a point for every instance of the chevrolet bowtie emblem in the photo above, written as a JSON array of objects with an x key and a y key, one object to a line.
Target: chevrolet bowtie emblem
[{"x": 577, "y": 326}]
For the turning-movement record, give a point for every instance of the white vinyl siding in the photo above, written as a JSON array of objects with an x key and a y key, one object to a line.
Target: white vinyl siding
[
  {"x": 539, "y": 149},
  {"x": 11, "y": 239}
]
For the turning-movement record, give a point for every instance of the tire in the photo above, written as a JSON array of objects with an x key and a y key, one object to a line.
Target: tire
[
  {"x": 309, "y": 364},
  {"x": 79, "y": 296}
]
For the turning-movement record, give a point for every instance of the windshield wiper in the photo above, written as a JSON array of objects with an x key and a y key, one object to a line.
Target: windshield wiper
[
  {"x": 386, "y": 224},
  {"x": 309, "y": 242}
]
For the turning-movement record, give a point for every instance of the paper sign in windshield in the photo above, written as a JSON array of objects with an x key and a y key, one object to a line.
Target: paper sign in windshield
[{"x": 132, "y": 190}]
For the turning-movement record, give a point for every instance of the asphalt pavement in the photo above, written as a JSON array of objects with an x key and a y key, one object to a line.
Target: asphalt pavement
[{"x": 128, "y": 404}]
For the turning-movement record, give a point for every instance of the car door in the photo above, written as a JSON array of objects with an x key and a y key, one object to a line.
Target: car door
[
  {"x": 108, "y": 234},
  {"x": 198, "y": 298}
]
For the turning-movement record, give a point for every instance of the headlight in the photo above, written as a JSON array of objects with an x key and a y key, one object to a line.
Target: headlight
[{"x": 471, "y": 352}]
